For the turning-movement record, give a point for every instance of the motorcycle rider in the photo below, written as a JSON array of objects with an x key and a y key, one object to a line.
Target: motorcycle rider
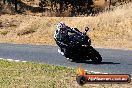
[{"x": 61, "y": 36}]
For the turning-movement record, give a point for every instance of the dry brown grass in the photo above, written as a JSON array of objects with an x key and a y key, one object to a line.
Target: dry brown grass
[{"x": 112, "y": 29}]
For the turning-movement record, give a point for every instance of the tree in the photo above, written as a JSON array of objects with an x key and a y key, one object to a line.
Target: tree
[{"x": 15, "y": 2}]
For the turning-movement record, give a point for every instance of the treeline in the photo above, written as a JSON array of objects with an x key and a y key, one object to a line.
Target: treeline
[
  {"x": 75, "y": 7},
  {"x": 9, "y": 4},
  {"x": 81, "y": 6}
]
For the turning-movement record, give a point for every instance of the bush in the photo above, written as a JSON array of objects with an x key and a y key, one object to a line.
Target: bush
[
  {"x": 26, "y": 31},
  {"x": 3, "y": 32}
]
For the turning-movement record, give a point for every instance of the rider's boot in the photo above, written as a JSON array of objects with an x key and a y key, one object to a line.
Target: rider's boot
[{"x": 60, "y": 51}]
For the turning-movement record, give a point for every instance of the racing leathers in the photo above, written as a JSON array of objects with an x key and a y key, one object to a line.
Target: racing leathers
[{"x": 61, "y": 36}]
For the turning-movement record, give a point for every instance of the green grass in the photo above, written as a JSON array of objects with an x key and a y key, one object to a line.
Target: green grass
[{"x": 32, "y": 75}]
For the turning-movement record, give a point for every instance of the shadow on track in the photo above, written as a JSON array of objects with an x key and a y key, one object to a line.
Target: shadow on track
[{"x": 90, "y": 62}]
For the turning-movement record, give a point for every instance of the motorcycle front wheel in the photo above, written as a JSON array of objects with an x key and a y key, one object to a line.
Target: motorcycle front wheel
[{"x": 95, "y": 56}]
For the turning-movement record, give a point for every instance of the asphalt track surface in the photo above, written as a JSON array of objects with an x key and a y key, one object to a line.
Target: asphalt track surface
[{"x": 114, "y": 61}]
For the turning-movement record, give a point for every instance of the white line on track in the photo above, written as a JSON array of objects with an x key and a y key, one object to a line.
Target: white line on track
[
  {"x": 10, "y": 59},
  {"x": 92, "y": 71},
  {"x": 17, "y": 60},
  {"x": 23, "y": 61},
  {"x": 69, "y": 67},
  {"x": 1, "y": 58},
  {"x": 13, "y": 60},
  {"x": 97, "y": 72}
]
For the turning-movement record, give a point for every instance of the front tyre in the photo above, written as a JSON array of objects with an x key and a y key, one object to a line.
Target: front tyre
[
  {"x": 95, "y": 56},
  {"x": 97, "y": 59}
]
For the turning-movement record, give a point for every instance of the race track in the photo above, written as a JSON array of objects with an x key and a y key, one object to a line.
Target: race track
[{"x": 114, "y": 61}]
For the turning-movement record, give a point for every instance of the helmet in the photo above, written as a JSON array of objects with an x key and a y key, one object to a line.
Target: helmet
[{"x": 61, "y": 25}]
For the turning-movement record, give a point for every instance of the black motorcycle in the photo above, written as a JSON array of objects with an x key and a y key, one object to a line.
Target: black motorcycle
[{"x": 80, "y": 49}]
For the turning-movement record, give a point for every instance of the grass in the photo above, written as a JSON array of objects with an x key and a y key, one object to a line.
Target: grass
[
  {"x": 110, "y": 29},
  {"x": 33, "y": 75},
  {"x": 27, "y": 31},
  {"x": 3, "y": 32}
]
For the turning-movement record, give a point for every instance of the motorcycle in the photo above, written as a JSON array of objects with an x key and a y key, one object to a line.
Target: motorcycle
[{"x": 80, "y": 49}]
